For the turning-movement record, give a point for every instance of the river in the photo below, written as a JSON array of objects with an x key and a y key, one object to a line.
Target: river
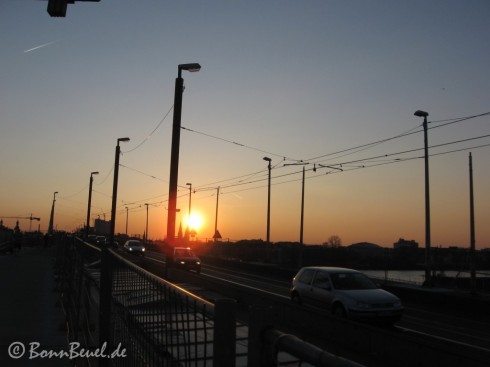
[{"x": 418, "y": 276}]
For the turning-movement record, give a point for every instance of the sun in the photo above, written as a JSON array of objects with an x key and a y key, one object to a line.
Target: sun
[{"x": 196, "y": 221}]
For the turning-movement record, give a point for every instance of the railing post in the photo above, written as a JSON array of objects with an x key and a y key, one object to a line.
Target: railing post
[
  {"x": 105, "y": 303},
  {"x": 261, "y": 318},
  {"x": 224, "y": 345}
]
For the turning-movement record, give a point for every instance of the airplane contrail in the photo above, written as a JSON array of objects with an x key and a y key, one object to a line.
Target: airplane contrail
[{"x": 43, "y": 45}]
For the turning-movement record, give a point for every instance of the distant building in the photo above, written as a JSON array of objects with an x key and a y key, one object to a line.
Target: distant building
[
  {"x": 102, "y": 227},
  {"x": 402, "y": 243}
]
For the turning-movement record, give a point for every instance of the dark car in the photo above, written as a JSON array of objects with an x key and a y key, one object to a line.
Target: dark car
[
  {"x": 134, "y": 247},
  {"x": 346, "y": 293},
  {"x": 184, "y": 258}
]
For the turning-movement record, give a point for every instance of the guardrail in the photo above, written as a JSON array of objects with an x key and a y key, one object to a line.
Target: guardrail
[{"x": 156, "y": 323}]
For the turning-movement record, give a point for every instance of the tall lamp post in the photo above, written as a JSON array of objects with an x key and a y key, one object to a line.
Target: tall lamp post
[
  {"x": 51, "y": 218},
  {"x": 114, "y": 189},
  {"x": 106, "y": 275},
  {"x": 87, "y": 228},
  {"x": 174, "y": 155},
  {"x": 428, "y": 279},
  {"x": 268, "y": 200}
]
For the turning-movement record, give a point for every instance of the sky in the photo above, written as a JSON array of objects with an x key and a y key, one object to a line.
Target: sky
[{"x": 318, "y": 83}]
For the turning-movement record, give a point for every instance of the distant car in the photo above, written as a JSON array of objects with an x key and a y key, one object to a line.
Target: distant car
[
  {"x": 184, "y": 258},
  {"x": 134, "y": 247},
  {"x": 346, "y": 293},
  {"x": 100, "y": 241}
]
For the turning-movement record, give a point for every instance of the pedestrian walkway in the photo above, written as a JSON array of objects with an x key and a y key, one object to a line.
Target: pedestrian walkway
[{"x": 30, "y": 311}]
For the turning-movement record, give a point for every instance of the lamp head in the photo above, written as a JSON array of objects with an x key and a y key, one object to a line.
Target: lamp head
[
  {"x": 267, "y": 159},
  {"x": 193, "y": 67},
  {"x": 94, "y": 173},
  {"x": 123, "y": 139},
  {"x": 420, "y": 113}
]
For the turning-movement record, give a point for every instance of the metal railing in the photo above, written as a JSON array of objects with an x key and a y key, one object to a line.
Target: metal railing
[
  {"x": 166, "y": 325},
  {"x": 156, "y": 323}
]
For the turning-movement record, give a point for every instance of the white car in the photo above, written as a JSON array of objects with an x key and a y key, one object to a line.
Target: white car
[
  {"x": 346, "y": 293},
  {"x": 134, "y": 247}
]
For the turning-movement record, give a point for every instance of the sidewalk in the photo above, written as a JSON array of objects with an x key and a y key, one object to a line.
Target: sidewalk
[{"x": 28, "y": 311}]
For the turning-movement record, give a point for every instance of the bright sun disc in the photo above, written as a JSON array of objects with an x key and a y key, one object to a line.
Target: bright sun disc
[{"x": 196, "y": 221}]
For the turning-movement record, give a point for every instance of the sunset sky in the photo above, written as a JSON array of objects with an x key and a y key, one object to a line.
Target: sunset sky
[{"x": 332, "y": 83}]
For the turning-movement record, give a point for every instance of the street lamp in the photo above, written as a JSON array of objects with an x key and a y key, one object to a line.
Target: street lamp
[
  {"x": 188, "y": 229},
  {"x": 51, "y": 218},
  {"x": 268, "y": 200},
  {"x": 87, "y": 229},
  {"x": 114, "y": 189},
  {"x": 428, "y": 279},
  {"x": 105, "y": 273},
  {"x": 174, "y": 155}
]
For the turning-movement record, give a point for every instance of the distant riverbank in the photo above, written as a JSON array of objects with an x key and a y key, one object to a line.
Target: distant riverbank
[{"x": 418, "y": 276}]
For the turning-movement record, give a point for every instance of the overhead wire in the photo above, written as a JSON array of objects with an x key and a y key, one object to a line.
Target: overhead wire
[
  {"x": 238, "y": 144},
  {"x": 242, "y": 178},
  {"x": 142, "y": 173},
  {"x": 398, "y": 160},
  {"x": 151, "y": 134}
]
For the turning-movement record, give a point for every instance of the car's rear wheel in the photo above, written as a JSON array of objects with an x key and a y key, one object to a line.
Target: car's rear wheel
[{"x": 339, "y": 311}]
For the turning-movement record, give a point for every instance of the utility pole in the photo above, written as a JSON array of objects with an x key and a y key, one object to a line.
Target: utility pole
[
  {"x": 267, "y": 159},
  {"x": 87, "y": 229},
  {"x": 472, "y": 230},
  {"x": 428, "y": 277},
  {"x": 188, "y": 229},
  {"x": 127, "y": 215},
  {"x": 216, "y": 233},
  {"x": 146, "y": 233}
]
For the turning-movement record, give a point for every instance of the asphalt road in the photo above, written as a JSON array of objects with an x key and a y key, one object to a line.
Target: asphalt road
[{"x": 420, "y": 319}]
